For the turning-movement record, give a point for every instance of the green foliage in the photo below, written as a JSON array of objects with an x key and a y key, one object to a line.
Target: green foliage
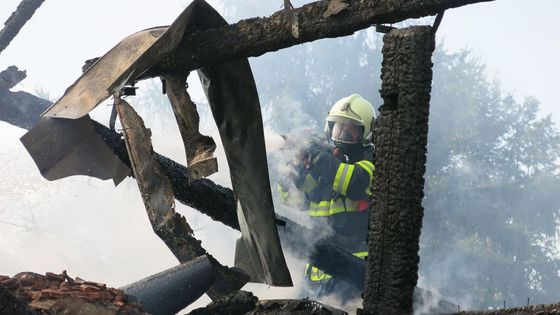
[{"x": 491, "y": 209}]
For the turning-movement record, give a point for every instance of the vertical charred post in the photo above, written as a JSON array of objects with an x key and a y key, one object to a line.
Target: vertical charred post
[{"x": 400, "y": 157}]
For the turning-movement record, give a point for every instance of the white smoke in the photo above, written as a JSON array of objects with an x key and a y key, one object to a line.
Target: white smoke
[{"x": 100, "y": 232}]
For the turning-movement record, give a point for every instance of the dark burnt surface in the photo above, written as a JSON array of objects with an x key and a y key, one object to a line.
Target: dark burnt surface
[
  {"x": 400, "y": 158},
  {"x": 245, "y": 303}
]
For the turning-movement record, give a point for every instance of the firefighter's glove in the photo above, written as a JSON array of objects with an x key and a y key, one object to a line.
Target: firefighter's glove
[
  {"x": 323, "y": 167},
  {"x": 312, "y": 150}
]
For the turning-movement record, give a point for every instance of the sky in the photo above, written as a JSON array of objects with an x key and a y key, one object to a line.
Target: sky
[
  {"x": 102, "y": 234},
  {"x": 516, "y": 39}
]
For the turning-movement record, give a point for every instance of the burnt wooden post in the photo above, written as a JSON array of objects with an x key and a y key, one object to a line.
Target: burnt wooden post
[{"x": 400, "y": 157}]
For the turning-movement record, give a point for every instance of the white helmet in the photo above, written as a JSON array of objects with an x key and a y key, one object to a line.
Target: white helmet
[{"x": 350, "y": 121}]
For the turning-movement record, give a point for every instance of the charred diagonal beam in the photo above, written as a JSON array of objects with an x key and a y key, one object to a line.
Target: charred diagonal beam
[
  {"x": 23, "y": 110},
  {"x": 242, "y": 302},
  {"x": 256, "y": 36},
  {"x": 400, "y": 153},
  {"x": 157, "y": 194},
  {"x": 17, "y": 20},
  {"x": 11, "y": 76}
]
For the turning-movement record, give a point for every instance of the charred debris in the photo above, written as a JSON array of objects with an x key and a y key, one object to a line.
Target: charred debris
[{"x": 200, "y": 39}]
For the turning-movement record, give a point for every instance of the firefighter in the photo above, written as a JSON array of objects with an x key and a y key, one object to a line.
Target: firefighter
[{"x": 335, "y": 179}]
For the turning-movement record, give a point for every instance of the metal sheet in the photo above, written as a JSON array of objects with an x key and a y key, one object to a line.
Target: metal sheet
[
  {"x": 170, "y": 291},
  {"x": 92, "y": 87},
  {"x": 232, "y": 94},
  {"x": 66, "y": 147},
  {"x": 126, "y": 61}
]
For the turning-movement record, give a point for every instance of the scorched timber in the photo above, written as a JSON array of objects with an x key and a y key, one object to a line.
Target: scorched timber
[
  {"x": 401, "y": 134},
  {"x": 321, "y": 19},
  {"x": 17, "y": 20},
  {"x": 23, "y": 109}
]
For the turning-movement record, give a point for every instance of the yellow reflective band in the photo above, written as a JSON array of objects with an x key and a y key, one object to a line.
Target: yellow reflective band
[
  {"x": 316, "y": 274},
  {"x": 342, "y": 178},
  {"x": 329, "y": 207},
  {"x": 360, "y": 254},
  {"x": 347, "y": 177},
  {"x": 283, "y": 193},
  {"x": 337, "y": 176},
  {"x": 309, "y": 183},
  {"x": 367, "y": 166},
  {"x": 321, "y": 209}
]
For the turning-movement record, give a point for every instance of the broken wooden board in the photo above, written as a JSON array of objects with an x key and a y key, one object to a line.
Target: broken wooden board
[
  {"x": 232, "y": 95},
  {"x": 157, "y": 194},
  {"x": 198, "y": 148}
]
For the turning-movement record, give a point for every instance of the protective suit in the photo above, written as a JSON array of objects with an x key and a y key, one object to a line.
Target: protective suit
[{"x": 334, "y": 185}]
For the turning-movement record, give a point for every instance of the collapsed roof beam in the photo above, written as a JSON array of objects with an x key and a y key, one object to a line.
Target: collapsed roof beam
[
  {"x": 322, "y": 19},
  {"x": 22, "y": 109}
]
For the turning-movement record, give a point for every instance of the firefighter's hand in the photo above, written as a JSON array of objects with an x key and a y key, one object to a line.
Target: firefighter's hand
[{"x": 312, "y": 151}]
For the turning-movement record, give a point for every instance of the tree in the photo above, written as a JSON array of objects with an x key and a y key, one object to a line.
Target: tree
[
  {"x": 492, "y": 212},
  {"x": 490, "y": 203}
]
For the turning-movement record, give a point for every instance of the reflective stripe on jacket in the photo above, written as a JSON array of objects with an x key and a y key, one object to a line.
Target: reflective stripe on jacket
[
  {"x": 315, "y": 274},
  {"x": 350, "y": 189}
]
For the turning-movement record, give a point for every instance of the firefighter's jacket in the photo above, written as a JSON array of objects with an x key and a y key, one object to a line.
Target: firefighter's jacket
[{"x": 336, "y": 194}]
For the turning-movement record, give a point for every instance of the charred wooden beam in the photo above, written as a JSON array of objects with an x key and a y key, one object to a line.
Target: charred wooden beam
[
  {"x": 321, "y": 19},
  {"x": 400, "y": 156},
  {"x": 11, "y": 76},
  {"x": 242, "y": 302},
  {"x": 23, "y": 110},
  {"x": 17, "y": 20},
  {"x": 157, "y": 194},
  {"x": 198, "y": 148}
]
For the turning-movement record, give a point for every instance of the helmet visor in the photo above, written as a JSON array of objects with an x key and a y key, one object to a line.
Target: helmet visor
[{"x": 345, "y": 130}]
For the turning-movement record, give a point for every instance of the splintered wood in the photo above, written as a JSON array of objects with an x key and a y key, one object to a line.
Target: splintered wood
[{"x": 57, "y": 293}]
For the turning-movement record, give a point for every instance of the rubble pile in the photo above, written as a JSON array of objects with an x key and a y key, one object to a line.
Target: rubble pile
[{"x": 32, "y": 293}]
